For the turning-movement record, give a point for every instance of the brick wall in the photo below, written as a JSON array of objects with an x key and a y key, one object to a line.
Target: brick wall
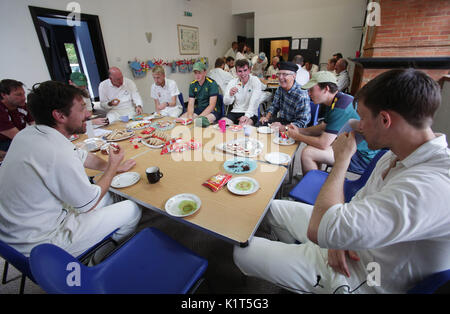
[{"x": 409, "y": 28}]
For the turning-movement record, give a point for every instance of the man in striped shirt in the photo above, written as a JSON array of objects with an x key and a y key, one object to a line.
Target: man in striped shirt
[{"x": 290, "y": 102}]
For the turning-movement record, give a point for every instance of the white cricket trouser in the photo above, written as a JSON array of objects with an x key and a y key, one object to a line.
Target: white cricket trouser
[
  {"x": 301, "y": 268},
  {"x": 80, "y": 231}
]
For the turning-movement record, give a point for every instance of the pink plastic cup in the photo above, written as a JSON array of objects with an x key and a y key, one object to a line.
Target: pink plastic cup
[{"x": 222, "y": 125}]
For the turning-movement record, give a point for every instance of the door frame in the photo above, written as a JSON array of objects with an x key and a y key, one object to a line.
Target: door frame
[
  {"x": 95, "y": 32},
  {"x": 289, "y": 38}
]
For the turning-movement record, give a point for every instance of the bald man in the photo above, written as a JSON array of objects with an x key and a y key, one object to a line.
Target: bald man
[{"x": 119, "y": 96}]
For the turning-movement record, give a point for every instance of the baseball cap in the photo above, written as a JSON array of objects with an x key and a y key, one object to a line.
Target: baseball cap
[
  {"x": 262, "y": 55},
  {"x": 320, "y": 77},
  {"x": 78, "y": 78},
  {"x": 199, "y": 66}
]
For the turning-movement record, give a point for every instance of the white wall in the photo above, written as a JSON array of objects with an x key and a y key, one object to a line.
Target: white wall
[
  {"x": 441, "y": 123},
  {"x": 330, "y": 19},
  {"x": 124, "y": 24}
]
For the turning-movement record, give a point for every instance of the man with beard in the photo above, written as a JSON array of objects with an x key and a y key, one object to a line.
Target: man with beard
[
  {"x": 48, "y": 197},
  {"x": 14, "y": 115}
]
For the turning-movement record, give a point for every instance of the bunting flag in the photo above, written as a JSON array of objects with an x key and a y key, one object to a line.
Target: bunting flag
[{"x": 140, "y": 68}]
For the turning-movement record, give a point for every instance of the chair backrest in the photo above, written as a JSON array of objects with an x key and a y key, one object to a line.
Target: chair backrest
[
  {"x": 434, "y": 283},
  {"x": 181, "y": 99},
  {"x": 222, "y": 107},
  {"x": 149, "y": 262},
  {"x": 15, "y": 258},
  {"x": 56, "y": 271},
  {"x": 353, "y": 186},
  {"x": 314, "y": 113}
]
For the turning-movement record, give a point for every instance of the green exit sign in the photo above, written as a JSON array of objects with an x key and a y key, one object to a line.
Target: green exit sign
[{"x": 187, "y": 13}]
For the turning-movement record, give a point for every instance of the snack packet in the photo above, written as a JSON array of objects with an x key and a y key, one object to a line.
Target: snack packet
[
  {"x": 148, "y": 130},
  {"x": 218, "y": 181}
]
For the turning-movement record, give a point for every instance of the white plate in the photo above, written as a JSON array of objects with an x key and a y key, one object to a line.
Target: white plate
[
  {"x": 151, "y": 146},
  {"x": 233, "y": 185},
  {"x": 183, "y": 121},
  {"x": 277, "y": 158},
  {"x": 132, "y": 125},
  {"x": 255, "y": 150},
  {"x": 127, "y": 135},
  {"x": 289, "y": 141},
  {"x": 74, "y": 137},
  {"x": 172, "y": 205},
  {"x": 125, "y": 179},
  {"x": 154, "y": 116},
  {"x": 91, "y": 144},
  {"x": 265, "y": 130}
]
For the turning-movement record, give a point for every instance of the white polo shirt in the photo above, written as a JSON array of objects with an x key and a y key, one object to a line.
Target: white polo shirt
[
  {"x": 127, "y": 94},
  {"x": 221, "y": 77},
  {"x": 302, "y": 76},
  {"x": 42, "y": 173},
  {"x": 247, "y": 98},
  {"x": 165, "y": 94},
  {"x": 401, "y": 222}
]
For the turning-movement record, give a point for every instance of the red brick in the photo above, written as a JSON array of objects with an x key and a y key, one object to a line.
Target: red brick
[{"x": 439, "y": 37}]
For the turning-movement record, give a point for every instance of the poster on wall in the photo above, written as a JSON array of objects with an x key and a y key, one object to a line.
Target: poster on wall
[{"x": 188, "y": 40}]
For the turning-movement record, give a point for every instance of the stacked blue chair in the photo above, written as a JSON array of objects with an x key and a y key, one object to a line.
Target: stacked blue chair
[
  {"x": 307, "y": 190},
  {"x": 149, "y": 262}
]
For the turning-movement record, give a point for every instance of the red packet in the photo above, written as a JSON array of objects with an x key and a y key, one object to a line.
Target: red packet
[
  {"x": 283, "y": 135},
  {"x": 194, "y": 145},
  {"x": 216, "y": 182},
  {"x": 148, "y": 130},
  {"x": 135, "y": 140}
]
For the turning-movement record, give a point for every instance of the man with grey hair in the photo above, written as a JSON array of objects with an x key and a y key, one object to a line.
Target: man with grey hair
[
  {"x": 343, "y": 79},
  {"x": 302, "y": 75},
  {"x": 259, "y": 64},
  {"x": 119, "y": 96}
]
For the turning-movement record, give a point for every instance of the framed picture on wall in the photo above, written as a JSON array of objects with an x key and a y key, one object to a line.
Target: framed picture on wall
[{"x": 188, "y": 40}]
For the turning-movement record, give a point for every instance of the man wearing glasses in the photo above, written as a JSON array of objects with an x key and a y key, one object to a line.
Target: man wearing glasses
[{"x": 290, "y": 102}]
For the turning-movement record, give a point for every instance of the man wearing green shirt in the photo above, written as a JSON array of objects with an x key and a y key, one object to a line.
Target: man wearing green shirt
[
  {"x": 203, "y": 93},
  {"x": 339, "y": 109}
]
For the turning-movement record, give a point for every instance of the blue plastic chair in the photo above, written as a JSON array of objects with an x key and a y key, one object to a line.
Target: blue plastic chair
[
  {"x": 307, "y": 190},
  {"x": 22, "y": 263},
  {"x": 438, "y": 282},
  {"x": 314, "y": 113},
  {"x": 222, "y": 106},
  {"x": 18, "y": 260},
  {"x": 181, "y": 99},
  {"x": 149, "y": 262}
]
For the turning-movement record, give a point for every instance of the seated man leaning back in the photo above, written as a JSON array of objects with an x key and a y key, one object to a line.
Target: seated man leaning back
[{"x": 290, "y": 103}]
